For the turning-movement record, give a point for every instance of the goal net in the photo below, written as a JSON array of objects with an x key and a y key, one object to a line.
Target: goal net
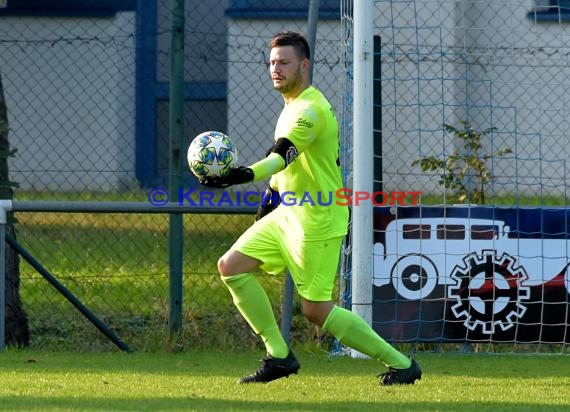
[{"x": 469, "y": 206}]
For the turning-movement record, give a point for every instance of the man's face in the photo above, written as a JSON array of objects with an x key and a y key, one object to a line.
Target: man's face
[{"x": 286, "y": 69}]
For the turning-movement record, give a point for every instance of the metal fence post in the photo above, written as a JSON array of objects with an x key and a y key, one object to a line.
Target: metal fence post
[
  {"x": 2, "y": 277},
  {"x": 176, "y": 120},
  {"x": 5, "y": 207}
]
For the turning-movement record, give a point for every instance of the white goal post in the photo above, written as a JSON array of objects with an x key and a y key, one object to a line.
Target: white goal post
[{"x": 363, "y": 152}]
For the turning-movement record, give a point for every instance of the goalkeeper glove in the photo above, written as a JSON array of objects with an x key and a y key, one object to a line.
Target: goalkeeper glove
[
  {"x": 269, "y": 202},
  {"x": 236, "y": 176}
]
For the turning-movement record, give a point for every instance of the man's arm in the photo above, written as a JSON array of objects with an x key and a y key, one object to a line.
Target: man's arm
[{"x": 282, "y": 154}]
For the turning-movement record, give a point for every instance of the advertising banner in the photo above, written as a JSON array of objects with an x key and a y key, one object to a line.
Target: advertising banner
[{"x": 452, "y": 274}]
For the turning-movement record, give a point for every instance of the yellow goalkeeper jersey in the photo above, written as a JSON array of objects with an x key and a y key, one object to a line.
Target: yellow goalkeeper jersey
[{"x": 310, "y": 183}]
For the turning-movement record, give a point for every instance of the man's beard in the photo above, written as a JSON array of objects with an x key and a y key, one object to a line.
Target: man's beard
[{"x": 290, "y": 85}]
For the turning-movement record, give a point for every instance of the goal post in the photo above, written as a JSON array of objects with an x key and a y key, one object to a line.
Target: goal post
[{"x": 363, "y": 149}]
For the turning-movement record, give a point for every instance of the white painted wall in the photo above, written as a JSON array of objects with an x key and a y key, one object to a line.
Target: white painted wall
[{"x": 70, "y": 90}]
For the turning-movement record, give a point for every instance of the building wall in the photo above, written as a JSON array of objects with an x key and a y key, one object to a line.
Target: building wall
[{"x": 70, "y": 91}]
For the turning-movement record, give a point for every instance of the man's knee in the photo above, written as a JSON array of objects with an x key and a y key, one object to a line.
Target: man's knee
[
  {"x": 228, "y": 263},
  {"x": 234, "y": 263},
  {"x": 223, "y": 267}
]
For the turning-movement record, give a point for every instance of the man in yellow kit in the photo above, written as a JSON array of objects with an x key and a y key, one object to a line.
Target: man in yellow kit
[{"x": 306, "y": 238}]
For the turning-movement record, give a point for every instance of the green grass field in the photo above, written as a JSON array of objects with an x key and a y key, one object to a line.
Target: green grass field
[{"x": 206, "y": 380}]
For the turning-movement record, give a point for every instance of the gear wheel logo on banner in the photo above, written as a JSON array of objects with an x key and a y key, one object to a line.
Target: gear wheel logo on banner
[{"x": 488, "y": 291}]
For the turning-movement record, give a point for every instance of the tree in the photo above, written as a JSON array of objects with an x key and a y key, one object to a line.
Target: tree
[
  {"x": 16, "y": 327},
  {"x": 465, "y": 170}
]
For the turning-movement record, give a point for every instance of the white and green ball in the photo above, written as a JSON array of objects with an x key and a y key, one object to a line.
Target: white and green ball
[{"x": 211, "y": 154}]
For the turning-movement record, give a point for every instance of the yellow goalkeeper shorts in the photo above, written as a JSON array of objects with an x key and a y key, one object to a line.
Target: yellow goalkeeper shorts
[{"x": 313, "y": 264}]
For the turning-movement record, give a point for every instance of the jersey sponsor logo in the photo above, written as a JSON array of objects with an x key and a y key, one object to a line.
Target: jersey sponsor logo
[{"x": 304, "y": 123}]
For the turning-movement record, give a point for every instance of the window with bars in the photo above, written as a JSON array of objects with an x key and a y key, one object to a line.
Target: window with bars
[{"x": 550, "y": 10}]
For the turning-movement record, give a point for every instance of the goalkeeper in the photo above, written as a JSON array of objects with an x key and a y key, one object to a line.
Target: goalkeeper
[{"x": 304, "y": 238}]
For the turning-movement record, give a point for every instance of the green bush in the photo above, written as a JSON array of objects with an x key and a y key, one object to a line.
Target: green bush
[{"x": 465, "y": 171}]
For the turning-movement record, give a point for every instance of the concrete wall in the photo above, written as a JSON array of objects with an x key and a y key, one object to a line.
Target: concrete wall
[{"x": 70, "y": 90}]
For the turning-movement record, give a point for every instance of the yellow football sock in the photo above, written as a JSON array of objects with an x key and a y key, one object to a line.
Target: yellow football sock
[
  {"x": 252, "y": 302},
  {"x": 352, "y": 331}
]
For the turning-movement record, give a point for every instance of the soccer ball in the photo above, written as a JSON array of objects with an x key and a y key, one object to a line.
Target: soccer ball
[{"x": 211, "y": 154}]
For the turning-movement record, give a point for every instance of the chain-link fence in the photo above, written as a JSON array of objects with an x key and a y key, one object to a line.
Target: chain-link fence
[{"x": 87, "y": 92}]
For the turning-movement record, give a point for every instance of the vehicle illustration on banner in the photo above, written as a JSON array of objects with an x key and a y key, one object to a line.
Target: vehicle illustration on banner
[{"x": 487, "y": 274}]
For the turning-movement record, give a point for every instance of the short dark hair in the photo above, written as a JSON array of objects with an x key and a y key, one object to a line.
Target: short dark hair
[{"x": 291, "y": 38}]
